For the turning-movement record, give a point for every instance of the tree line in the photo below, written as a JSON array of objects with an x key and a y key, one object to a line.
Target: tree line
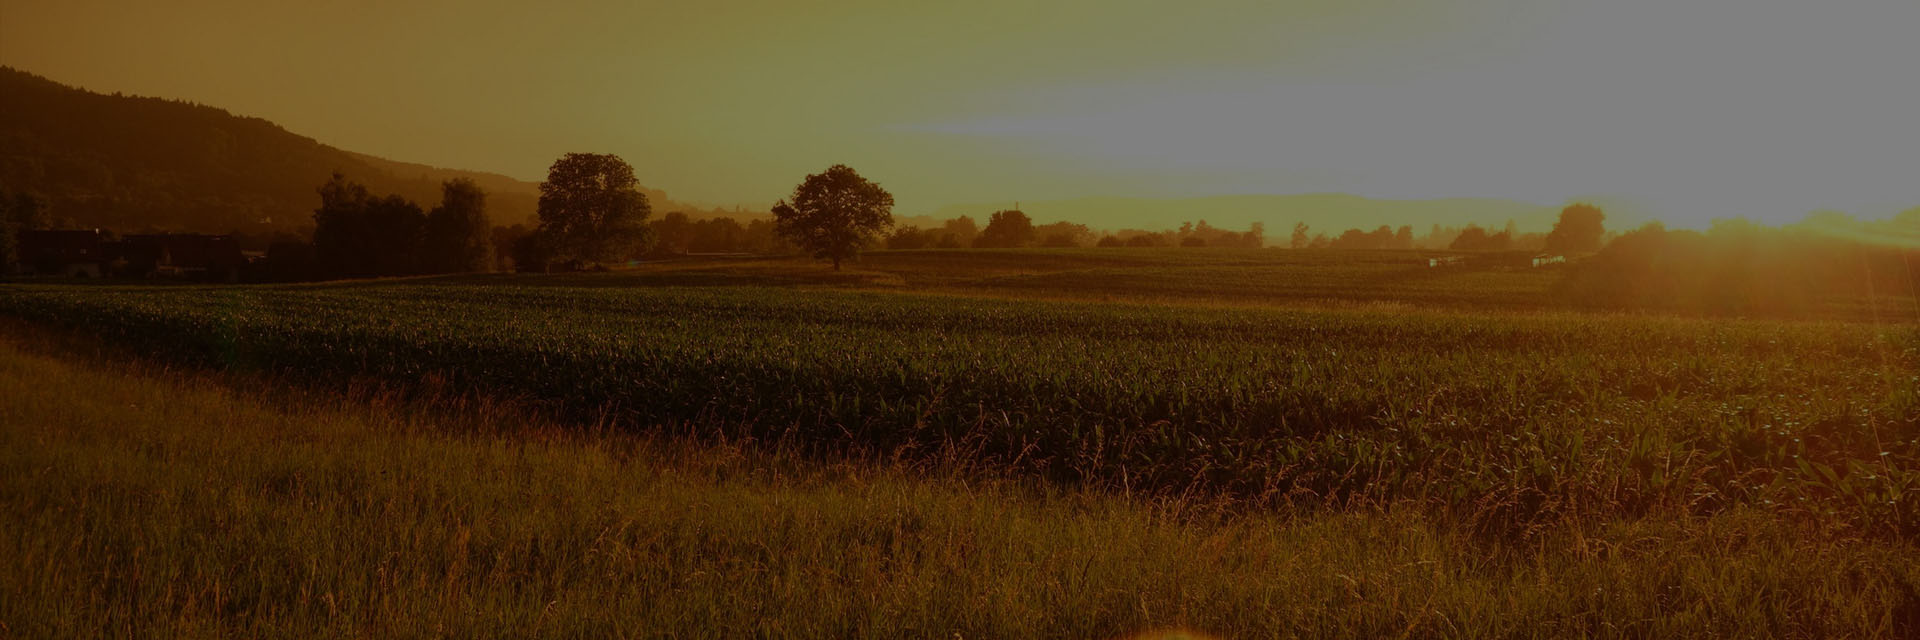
[
  {"x": 1580, "y": 229},
  {"x": 591, "y": 213},
  {"x": 357, "y": 234}
]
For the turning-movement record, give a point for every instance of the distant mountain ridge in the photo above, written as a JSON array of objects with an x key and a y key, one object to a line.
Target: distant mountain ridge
[{"x": 136, "y": 163}]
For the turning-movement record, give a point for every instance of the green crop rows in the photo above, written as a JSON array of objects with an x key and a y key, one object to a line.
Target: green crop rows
[{"x": 1515, "y": 421}]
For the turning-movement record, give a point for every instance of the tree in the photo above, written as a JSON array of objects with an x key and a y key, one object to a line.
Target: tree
[
  {"x": 672, "y": 233},
  {"x": 9, "y": 235},
  {"x": 907, "y": 237},
  {"x": 1475, "y": 238},
  {"x": 962, "y": 229},
  {"x": 506, "y": 241},
  {"x": 1064, "y": 234},
  {"x": 1578, "y": 231},
  {"x": 717, "y": 235},
  {"x": 1300, "y": 239},
  {"x": 1005, "y": 230},
  {"x": 357, "y": 235},
  {"x": 19, "y": 211},
  {"x": 834, "y": 213},
  {"x": 591, "y": 209},
  {"x": 457, "y": 238}
]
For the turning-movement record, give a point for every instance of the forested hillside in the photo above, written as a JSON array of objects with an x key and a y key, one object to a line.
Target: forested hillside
[{"x": 134, "y": 163}]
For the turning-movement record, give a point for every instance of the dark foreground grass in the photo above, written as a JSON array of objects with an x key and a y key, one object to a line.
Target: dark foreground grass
[{"x": 142, "y": 502}]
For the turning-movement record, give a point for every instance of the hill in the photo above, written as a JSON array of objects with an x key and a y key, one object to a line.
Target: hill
[{"x": 138, "y": 163}]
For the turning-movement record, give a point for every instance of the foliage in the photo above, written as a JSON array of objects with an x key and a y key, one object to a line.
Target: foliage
[
  {"x": 19, "y": 211},
  {"x": 1475, "y": 238},
  {"x": 1384, "y": 237},
  {"x": 1579, "y": 230},
  {"x": 962, "y": 230},
  {"x": 591, "y": 210},
  {"x": 907, "y": 237},
  {"x": 834, "y": 213},
  {"x": 1006, "y": 230},
  {"x": 134, "y": 163},
  {"x": 457, "y": 237},
  {"x": 357, "y": 235},
  {"x": 672, "y": 233}
]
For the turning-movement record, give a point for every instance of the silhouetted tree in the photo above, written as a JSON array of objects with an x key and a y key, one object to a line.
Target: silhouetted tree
[
  {"x": 457, "y": 237},
  {"x": 672, "y": 233},
  {"x": 763, "y": 236},
  {"x": 834, "y": 213},
  {"x": 907, "y": 237},
  {"x": 1063, "y": 234},
  {"x": 1475, "y": 238},
  {"x": 1300, "y": 239},
  {"x": 963, "y": 229},
  {"x": 717, "y": 235},
  {"x": 1578, "y": 231},
  {"x": 591, "y": 209},
  {"x": 505, "y": 242},
  {"x": 1403, "y": 238},
  {"x": 1006, "y": 229},
  {"x": 1111, "y": 241},
  {"x": 533, "y": 253},
  {"x": 356, "y": 234},
  {"x": 19, "y": 211}
]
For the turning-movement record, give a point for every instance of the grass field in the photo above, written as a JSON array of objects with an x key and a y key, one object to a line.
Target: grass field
[
  {"x": 145, "y": 502},
  {"x": 868, "y": 453},
  {"x": 1214, "y": 276}
]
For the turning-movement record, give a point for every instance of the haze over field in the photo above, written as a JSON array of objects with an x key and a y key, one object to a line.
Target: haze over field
[
  {"x": 995, "y": 319},
  {"x": 1686, "y": 111}
]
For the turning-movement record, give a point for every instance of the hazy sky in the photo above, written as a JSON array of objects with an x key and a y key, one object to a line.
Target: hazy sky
[{"x": 1690, "y": 109}]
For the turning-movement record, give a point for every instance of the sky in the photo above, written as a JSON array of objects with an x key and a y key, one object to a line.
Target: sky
[{"x": 1687, "y": 110}]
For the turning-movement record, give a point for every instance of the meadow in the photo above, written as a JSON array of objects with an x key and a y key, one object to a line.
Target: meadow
[{"x": 1424, "y": 451}]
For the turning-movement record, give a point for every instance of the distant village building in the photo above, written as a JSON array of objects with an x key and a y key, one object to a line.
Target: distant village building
[
  {"x": 93, "y": 254},
  {"x": 67, "y": 253},
  {"x": 1545, "y": 259},
  {"x": 1446, "y": 261},
  {"x": 183, "y": 255}
]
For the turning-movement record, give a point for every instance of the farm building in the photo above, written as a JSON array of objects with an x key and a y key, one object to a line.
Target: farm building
[
  {"x": 66, "y": 252},
  {"x": 1446, "y": 261},
  {"x": 92, "y": 253},
  {"x": 182, "y": 255},
  {"x": 1545, "y": 259}
]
